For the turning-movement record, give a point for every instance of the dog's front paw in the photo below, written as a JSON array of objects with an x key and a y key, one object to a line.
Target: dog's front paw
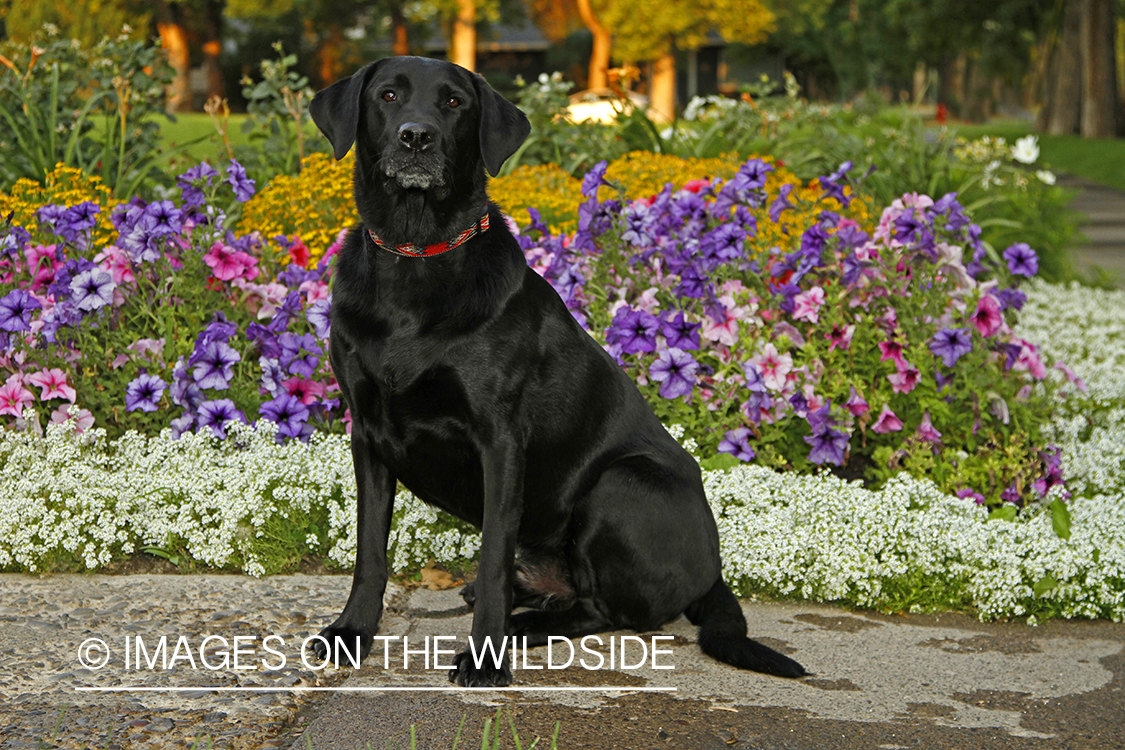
[
  {"x": 467, "y": 674},
  {"x": 342, "y": 644}
]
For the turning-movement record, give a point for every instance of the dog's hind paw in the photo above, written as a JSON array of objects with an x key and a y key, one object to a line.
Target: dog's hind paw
[
  {"x": 469, "y": 593},
  {"x": 466, "y": 674}
]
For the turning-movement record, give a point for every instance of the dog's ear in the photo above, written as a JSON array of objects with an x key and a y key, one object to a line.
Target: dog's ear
[
  {"x": 336, "y": 110},
  {"x": 503, "y": 127}
]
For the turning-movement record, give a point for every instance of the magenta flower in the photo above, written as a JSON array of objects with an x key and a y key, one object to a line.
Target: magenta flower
[
  {"x": 887, "y": 421},
  {"x": 926, "y": 431},
  {"x": 675, "y": 370},
  {"x": 14, "y": 397},
  {"x": 855, "y": 403},
  {"x": 806, "y": 304},
  {"x": 1022, "y": 260},
  {"x": 828, "y": 446},
  {"x": 840, "y": 336},
  {"x": 987, "y": 318},
  {"x": 969, "y": 492},
  {"x": 892, "y": 350},
  {"x": 737, "y": 443},
  {"x": 144, "y": 392},
  {"x": 227, "y": 264},
  {"x": 951, "y": 344},
  {"x": 306, "y": 391},
  {"x": 904, "y": 380},
  {"x": 54, "y": 385}
]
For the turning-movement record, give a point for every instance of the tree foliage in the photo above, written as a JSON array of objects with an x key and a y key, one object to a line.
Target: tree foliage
[
  {"x": 88, "y": 21},
  {"x": 648, "y": 29}
]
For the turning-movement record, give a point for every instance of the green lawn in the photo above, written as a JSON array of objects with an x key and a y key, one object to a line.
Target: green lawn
[
  {"x": 1100, "y": 160},
  {"x": 191, "y": 125}
]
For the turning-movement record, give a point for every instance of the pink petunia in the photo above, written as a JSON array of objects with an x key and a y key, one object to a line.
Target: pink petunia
[
  {"x": 892, "y": 350},
  {"x": 905, "y": 379},
  {"x": 306, "y": 391},
  {"x": 886, "y": 422},
  {"x": 773, "y": 366},
  {"x": 723, "y": 333},
  {"x": 1029, "y": 360},
  {"x": 987, "y": 318},
  {"x": 117, "y": 262},
  {"x": 807, "y": 304},
  {"x": 14, "y": 397},
  {"x": 84, "y": 420},
  {"x": 314, "y": 291},
  {"x": 840, "y": 336},
  {"x": 926, "y": 431},
  {"x": 1071, "y": 376},
  {"x": 54, "y": 385},
  {"x": 856, "y": 403}
]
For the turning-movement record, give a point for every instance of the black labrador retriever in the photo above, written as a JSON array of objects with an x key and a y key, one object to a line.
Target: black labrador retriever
[{"x": 469, "y": 381}]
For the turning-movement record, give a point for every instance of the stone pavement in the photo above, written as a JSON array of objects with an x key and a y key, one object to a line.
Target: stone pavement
[
  {"x": 1104, "y": 226},
  {"x": 881, "y": 681}
]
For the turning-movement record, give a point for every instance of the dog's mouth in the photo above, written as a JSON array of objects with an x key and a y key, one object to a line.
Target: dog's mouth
[{"x": 413, "y": 173}]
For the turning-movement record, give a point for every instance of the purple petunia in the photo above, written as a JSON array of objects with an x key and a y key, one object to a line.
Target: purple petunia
[
  {"x": 832, "y": 187},
  {"x": 675, "y": 370},
  {"x": 635, "y": 330},
  {"x": 951, "y": 344},
  {"x": 92, "y": 289},
  {"x": 243, "y": 186},
  {"x": 680, "y": 333},
  {"x": 163, "y": 219},
  {"x": 828, "y": 446},
  {"x": 144, "y": 392},
  {"x": 1022, "y": 260},
  {"x": 289, "y": 414},
  {"x": 737, "y": 443},
  {"x": 15, "y": 310},
  {"x": 318, "y": 316},
  {"x": 781, "y": 203},
  {"x": 192, "y": 183},
  {"x": 594, "y": 179},
  {"x": 215, "y": 414},
  {"x": 214, "y": 366}
]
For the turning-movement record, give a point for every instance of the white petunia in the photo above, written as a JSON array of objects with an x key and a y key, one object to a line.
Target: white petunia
[{"x": 1026, "y": 150}]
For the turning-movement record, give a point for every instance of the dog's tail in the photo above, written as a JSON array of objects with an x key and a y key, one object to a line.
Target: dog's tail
[{"x": 722, "y": 635}]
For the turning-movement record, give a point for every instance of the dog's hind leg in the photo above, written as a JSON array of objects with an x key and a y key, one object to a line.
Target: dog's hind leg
[
  {"x": 541, "y": 582},
  {"x": 581, "y": 618}
]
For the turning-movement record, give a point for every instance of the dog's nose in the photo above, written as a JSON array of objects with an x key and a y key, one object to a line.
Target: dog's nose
[{"x": 416, "y": 136}]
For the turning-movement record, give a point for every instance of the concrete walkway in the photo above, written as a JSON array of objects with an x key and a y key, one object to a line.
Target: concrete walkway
[
  {"x": 881, "y": 681},
  {"x": 1104, "y": 226}
]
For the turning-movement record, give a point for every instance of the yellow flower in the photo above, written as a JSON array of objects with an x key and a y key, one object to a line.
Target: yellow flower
[{"x": 62, "y": 186}]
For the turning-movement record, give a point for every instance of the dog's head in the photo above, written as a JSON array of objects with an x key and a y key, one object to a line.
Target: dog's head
[{"x": 411, "y": 118}]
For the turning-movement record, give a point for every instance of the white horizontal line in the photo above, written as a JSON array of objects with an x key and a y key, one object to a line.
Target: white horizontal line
[{"x": 451, "y": 689}]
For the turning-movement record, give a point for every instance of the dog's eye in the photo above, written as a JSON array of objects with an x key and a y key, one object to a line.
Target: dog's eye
[
  {"x": 389, "y": 96},
  {"x": 454, "y": 102}
]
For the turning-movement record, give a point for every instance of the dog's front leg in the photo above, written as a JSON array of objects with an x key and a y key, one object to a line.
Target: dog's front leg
[
  {"x": 374, "y": 503},
  {"x": 503, "y": 507}
]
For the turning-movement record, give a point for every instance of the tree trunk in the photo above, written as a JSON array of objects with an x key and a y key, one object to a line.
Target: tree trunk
[
  {"x": 1066, "y": 85},
  {"x": 597, "y": 77},
  {"x": 1099, "y": 89},
  {"x": 662, "y": 88},
  {"x": 401, "y": 44},
  {"x": 463, "y": 51},
  {"x": 174, "y": 39},
  {"x": 213, "y": 48}
]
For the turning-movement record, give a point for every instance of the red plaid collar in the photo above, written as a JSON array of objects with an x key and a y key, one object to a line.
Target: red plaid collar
[{"x": 414, "y": 251}]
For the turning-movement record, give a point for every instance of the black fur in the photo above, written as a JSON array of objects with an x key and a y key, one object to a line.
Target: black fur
[{"x": 469, "y": 381}]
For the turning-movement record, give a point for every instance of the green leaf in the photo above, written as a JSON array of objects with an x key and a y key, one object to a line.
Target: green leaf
[
  {"x": 719, "y": 462},
  {"x": 1005, "y": 513},
  {"x": 1045, "y": 584},
  {"x": 1060, "y": 519}
]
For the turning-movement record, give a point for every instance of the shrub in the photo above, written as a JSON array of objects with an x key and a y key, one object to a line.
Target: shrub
[{"x": 93, "y": 108}]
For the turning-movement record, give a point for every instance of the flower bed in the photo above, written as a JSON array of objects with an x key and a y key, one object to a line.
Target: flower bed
[{"x": 776, "y": 322}]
